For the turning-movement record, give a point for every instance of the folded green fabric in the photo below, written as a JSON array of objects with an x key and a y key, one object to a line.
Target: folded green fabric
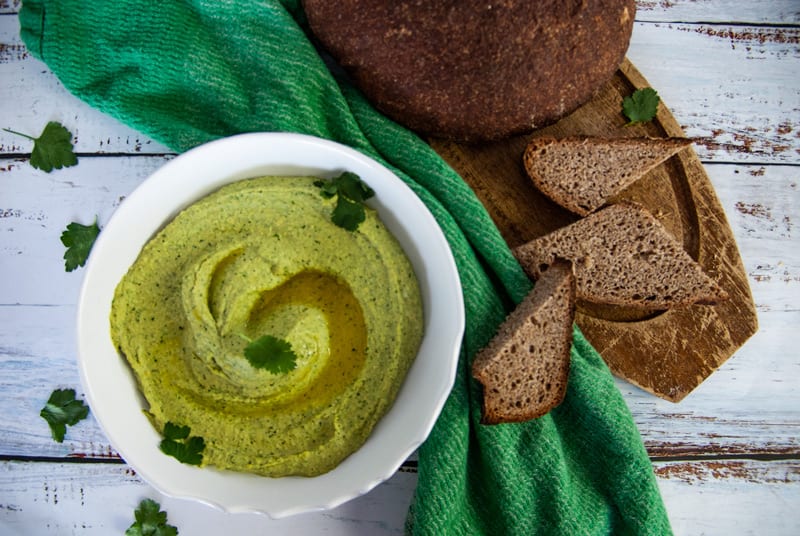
[{"x": 187, "y": 72}]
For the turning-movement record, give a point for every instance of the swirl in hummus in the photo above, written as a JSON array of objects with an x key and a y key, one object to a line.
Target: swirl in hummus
[{"x": 257, "y": 257}]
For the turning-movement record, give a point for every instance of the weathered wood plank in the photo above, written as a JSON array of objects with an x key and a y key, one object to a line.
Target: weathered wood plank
[
  {"x": 743, "y": 497},
  {"x": 725, "y": 11},
  {"x": 45, "y": 498},
  {"x": 735, "y": 89},
  {"x": 37, "y": 356},
  {"x": 39, "y": 346},
  {"x": 35, "y": 207},
  {"x": 762, "y": 204},
  {"x": 747, "y": 407},
  {"x": 758, "y": 11},
  {"x": 740, "y": 97},
  {"x": 8, "y": 7}
]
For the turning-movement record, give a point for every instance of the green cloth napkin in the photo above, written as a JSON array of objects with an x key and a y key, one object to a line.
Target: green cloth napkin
[{"x": 187, "y": 72}]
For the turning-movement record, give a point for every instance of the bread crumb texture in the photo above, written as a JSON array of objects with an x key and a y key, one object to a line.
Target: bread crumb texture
[
  {"x": 582, "y": 173},
  {"x": 524, "y": 369},
  {"x": 622, "y": 255}
]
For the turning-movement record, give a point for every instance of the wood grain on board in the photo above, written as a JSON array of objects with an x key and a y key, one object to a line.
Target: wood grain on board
[{"x": 667, "y": 353}]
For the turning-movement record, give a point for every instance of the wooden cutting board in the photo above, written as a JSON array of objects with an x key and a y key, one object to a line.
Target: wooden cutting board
[{"x": 667, "y": 353}]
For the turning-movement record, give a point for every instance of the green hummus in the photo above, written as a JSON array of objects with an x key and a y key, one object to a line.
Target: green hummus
[{"x": 261, "y": 257}]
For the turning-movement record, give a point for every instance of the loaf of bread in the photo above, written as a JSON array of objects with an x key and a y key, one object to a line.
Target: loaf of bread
[
  {"x": 474, "y": 69},
  {"x": 582, "y": 173},
  {"x": 525, "y": 367},
  {"x": 623, "y": 255}
]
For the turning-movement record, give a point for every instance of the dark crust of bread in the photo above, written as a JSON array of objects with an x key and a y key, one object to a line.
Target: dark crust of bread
[
  {"x": 471, "y": 70},
  {"x": 525, "y": 367},
  {"x": 580, "y": 180},
  {"x": 623, "y": 255}
]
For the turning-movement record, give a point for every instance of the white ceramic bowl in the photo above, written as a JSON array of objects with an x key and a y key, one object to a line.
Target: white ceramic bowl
[{"x": 111, "y": 388}]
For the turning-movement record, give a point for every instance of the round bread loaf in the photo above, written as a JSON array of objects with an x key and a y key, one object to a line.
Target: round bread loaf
[{"x": 472, "y": 70}]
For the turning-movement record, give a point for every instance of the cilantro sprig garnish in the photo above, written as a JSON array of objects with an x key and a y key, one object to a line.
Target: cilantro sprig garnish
[
  {"x": 179, "y": 444},
  {"x": 351, "y": 194},
  {"x": 52, "y": 149},
  {"x": 78, "y": 240},
  {"x": 641, "y": 106},
  {"x": 270, "y": 353},
  {"x": 150, "y": 521},
  {"x": 62, "y": 410}
]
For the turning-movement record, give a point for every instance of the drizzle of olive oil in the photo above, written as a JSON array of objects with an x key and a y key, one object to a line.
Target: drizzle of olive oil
[{"x": 347, "y": 333}]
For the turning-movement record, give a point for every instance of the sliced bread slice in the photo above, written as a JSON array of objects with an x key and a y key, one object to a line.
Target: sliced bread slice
[
  {"x": 623, "y": 255},
  {"x": 582, "y": 173},
  {"x": 524, "y": 368}
]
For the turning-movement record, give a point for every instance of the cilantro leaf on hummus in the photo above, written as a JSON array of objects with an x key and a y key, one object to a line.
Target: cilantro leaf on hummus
[
  {"x": 176, "y": 432},
  {"x": 52, "y": 149},
  {"x": 78, "y": 240},
  {"x": 150, "y": 521},
  {"x": 178, "y": 444},
  {"x": 351, "y": 193},
  {"x": 61, "y": 410},
  {"x": 271, "y": 353},
  {"x": 641, "y": 106},
  {"x": 347, "y": 214},
  {"x": 351, "y": 186}
]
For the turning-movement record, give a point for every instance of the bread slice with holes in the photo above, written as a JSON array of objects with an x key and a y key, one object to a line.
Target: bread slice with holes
[
  {"x": 582, "y": 173},
  {"x": 622, "y": 255},
  {"x": 524, "y": 368}
]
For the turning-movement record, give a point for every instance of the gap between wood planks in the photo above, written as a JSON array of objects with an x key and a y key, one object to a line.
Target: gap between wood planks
[{"x": 411, "y": 466}]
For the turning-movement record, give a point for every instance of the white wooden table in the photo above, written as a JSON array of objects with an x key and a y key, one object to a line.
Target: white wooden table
[{"x": 727, "y": 457}]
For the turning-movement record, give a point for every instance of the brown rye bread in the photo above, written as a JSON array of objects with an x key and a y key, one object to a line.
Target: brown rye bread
[
  {"x": 471, "y": 70},
  {"x": 525, "y": 367},
  {"x": 581, "y": 173},
  {"x": 623, "y": 255}
]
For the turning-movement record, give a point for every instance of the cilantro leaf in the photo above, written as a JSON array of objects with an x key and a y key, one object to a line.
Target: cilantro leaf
[
  {"x": 52, "y": 149},
  {"x": 328, "y": 188},
  {"x": 347, "y": 214},
  {"x": 195, "y": 446},
  {"x": 351, "y": 193},
  {"x": 271, "y": 353},
  {"x": 641, "y": 106},
  {"x": 150, "y": 521},
  {"x": 79, "y": 240},
  {"x": 61, "y": 410},
  {"x": 189, "y": 452},
  {"x": 351, "y": 186},
  {"x": 178, "y": 444},
  {"x": 175, "y": 432}
]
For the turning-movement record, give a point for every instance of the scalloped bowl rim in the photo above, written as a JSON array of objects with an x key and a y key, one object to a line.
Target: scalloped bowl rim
[{"x": 110, "y": 386}]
